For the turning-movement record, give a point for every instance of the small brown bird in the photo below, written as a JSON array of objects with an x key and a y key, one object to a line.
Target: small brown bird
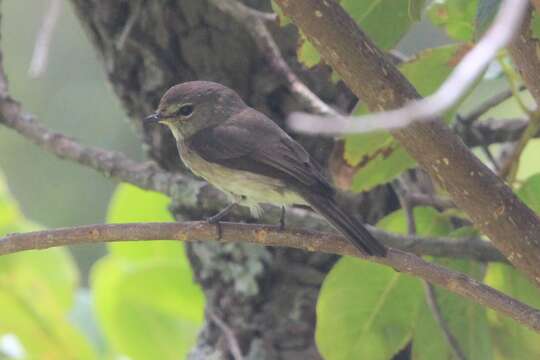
[{"x": 246, "y": 155}]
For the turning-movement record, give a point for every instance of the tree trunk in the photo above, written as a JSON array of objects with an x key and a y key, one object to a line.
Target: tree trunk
[{"x": 266, "y": 297}]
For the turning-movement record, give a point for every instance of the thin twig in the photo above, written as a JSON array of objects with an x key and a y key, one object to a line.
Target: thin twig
[
  {"x": 479, "y": 137},
  {"x": 438, "y": 202},
  {"x": 40, "y": 56},
  {"x": 504, "y": 27},
  {"x": 493, "y": 131},
  {"x": 489, "y": 104},
  {"x": 129, "y": 25},
  {"x": 431, "y": 298},
  {"x": 402, "y": 261},
  {"x": 509, "y": 169},
  {"x": 234, "y": 347},
  {"x": 264, "y": 40}
]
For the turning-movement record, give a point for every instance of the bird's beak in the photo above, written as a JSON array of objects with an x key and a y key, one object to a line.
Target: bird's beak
[{"x": 152, "y": 119}]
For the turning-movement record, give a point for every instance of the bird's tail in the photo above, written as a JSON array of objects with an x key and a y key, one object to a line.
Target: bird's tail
[{"x": 353, "y": 230}]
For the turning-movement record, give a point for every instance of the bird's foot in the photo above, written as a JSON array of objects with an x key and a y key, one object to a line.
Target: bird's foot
[{"x": 218, "y": 217}]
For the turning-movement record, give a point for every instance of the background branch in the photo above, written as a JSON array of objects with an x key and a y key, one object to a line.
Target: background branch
[
  {"x": 405, "y": 262},
  {"x": 263, "y": 39}
]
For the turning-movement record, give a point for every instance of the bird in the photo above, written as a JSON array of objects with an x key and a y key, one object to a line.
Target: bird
[{"x": 246, "y": 155}]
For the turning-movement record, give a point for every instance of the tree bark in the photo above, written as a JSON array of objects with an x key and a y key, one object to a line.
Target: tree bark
[{"x": 266, "y": 297}]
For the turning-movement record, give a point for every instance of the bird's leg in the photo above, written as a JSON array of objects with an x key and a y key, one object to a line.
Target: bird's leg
[
  {"x": 282, "y": 219},
  {"x": 220, "y": 215}
]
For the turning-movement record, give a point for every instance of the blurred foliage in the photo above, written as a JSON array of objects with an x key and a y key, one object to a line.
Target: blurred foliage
[
  {"x": 36, "y": 294},
  {"x": 142, "y": 294}
]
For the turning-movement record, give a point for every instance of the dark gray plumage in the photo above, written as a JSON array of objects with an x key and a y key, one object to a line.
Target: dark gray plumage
[{"x": 245, "y": 154}]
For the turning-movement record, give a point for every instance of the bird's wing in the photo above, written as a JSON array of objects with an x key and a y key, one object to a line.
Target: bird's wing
[{"x": 252, "y": 142}]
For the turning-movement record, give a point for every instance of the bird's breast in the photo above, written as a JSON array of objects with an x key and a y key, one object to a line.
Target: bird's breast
[{"x": 251, "y": 187}]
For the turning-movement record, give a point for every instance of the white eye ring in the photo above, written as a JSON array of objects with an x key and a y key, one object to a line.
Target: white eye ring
[{"x": 186, "y": 110}]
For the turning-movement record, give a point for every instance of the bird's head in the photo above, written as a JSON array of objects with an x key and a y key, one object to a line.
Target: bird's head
[{"x": 192, "y": 106}]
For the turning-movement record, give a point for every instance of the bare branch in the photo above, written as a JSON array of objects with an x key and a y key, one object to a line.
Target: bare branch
[
  {"x": 473, "y": 64},
  {"x": 404, "y": 262},
  {"x": 43, "y": 40},
  {"x": 263, "y": 39},
  {"x": 431, "y": 298},
  {"x": 489, "y": 104},
  {"x": 113, "y": 164},
  {"x": 129, "y": 25},
  {"x": 493, "y": 131},
  {"x": 234, "y": 347}
]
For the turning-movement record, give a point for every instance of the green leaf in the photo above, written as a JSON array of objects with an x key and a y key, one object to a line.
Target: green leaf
[
  {"x": 377, "y": 157},
  {"x": 466, "y": 321},
  {"x": 510, "y": 339},
  {"x": 529, "y": 192},
  {"x": 365, "y": 311},
  {"x": 147, "y": 309},
  {"x": 132, "y": 204},
  {"x": 487, "y": 9},
  {"x": 37, "y": 293},
  {"x": 456, "y": 17},
  {"x": 428, "y": 222},
  {"x": 535, "y": 25},
  {"x": 385, "y": 22},
  {"x": 283, "y": 20},
  {"x": 415, "y": 9}
]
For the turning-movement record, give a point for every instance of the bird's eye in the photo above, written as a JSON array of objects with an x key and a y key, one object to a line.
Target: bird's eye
[{"x": 185, "y": 110}]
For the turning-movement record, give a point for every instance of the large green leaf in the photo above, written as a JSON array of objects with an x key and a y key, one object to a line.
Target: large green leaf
[
  {"x": 456, "y": 17},
  {"x": 385, "y": 21},
  {"x": 147, "y": 309},
  {"x": 37, "y": 293},
  {"x": 510, "y": 339},
  {"x": 132, "y": 204},
  {"x": 529, "y": 192},
  {"x": 377, "y": 157},
  {"x": 365, "y": 311}
]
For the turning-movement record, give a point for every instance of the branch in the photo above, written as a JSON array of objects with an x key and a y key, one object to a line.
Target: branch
[
  {"x": 113, "y": 164},
  {"x": 489, "y": 104},
  {"x": 493, "y": 131},
  {"x": 404, "y": 262},
  {"x": 403, "y": 192},
  {"x": 490, "y": 204},
  {"x": 473, "y": 64},
  {"x": 266, "y": 44},
  {"x": 523, "y": 51},
  {"x": 431, "y": 298}
]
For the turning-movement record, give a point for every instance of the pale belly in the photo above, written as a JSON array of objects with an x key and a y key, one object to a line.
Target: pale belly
[{"x": 243, "y": 187}]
